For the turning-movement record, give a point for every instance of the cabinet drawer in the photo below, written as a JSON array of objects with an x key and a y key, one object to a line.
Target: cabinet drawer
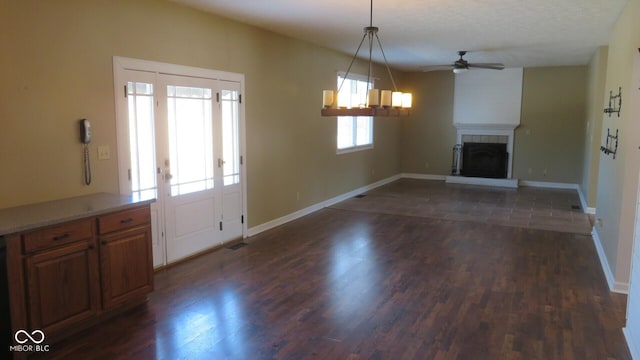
[
  {"x": 57, "y": 235},
  {"x": 123, "y": 220}
]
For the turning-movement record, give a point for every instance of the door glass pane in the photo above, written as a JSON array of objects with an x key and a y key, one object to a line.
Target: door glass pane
[
  {"x": 230, "y": 138},
  {"x": 141, "y": 140},
  {"x": 190, "y": 139}
]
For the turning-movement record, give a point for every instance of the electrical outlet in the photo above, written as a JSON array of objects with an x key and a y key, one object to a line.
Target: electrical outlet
[
  {"x": 530, "y": 171},
  {"x": 426, "y": 165},
  {"x": 544, "y": 172},
  {"x": 298, "y": 196}
]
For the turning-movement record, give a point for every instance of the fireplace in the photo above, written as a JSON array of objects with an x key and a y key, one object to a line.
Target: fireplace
[
  {"x": 490, "y": 147},
  {"x": 486, "y": 160}
]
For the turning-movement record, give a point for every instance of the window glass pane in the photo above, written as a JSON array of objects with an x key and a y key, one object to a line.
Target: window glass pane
[
  {"x": 353, "y": 131},
  {"x": 363, "y": 131},
  {"x": 190, "y": 139},
  {"x": 143, "y": 88},
  {"x": 141, "y": 139},
  {"x": 230, "y": 137},
  {"x": 345, "y": 132}
]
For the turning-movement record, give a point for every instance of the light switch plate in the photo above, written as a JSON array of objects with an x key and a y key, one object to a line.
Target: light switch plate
[{"x": 104, "y": 153}]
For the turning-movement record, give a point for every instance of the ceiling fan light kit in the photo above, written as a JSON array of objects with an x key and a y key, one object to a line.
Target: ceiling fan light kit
[{"x": 379, "y": 102}]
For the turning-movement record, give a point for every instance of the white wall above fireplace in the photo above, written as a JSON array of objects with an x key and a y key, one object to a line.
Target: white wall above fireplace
[{"x": 488, "y": 98}]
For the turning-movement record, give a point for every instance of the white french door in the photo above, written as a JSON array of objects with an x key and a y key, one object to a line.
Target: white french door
[
  {"x": 186, "y": 141},
  {"x": 183, "y": 137}
]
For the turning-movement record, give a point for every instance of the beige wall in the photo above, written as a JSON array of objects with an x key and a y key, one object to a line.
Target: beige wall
[
  {"x": 618, "y": 179},
  {"x": 551, "y": 132},
  {"x": 597, "y": 70},
  {"x": 428, "y": 135},
  {"x": 57, "y": 61}
]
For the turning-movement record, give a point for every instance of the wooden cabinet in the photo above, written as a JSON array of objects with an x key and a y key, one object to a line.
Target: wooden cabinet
[
  {"x": 62, "y": 286},
  {"x": 68, "y": 276},
  {"x": 61, "y": 275},
  {"x": 125, "y": 255}
]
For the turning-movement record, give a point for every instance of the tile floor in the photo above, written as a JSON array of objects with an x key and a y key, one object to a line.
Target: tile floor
[{"x": 527, "y": 207}]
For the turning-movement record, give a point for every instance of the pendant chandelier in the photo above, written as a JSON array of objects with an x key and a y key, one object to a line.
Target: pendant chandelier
[{"x": 379, "y": 102}]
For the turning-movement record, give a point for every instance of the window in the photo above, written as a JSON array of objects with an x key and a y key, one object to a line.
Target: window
[{"x": 354, "y": 132}]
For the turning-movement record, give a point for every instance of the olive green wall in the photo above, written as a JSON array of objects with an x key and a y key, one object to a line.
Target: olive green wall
[
  {"x": 551, "y": 134},
  {"x": 428, "y": 135},
  {"x": 57, "y": 68},
  {"x": 597, "y": 70},
  {"x": 618, "y": 178},
  {"x": 549, "y": 142}
]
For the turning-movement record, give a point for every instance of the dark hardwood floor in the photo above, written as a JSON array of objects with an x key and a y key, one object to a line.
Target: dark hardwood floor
[{"x": 344, "y": 284}]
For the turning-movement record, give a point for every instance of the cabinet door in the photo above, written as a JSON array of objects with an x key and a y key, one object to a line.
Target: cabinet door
[
  {"x": 63, "y": 286},
  {"x": 126, "y": 265}
]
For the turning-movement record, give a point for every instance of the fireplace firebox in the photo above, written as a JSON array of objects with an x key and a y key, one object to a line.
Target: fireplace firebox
[{"x": 487, "y": 160}]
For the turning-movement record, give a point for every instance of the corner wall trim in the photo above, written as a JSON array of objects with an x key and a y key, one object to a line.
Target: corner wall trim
[
  {"x": 633, "y": 347},
  {"x": 310, "y": 209},
  {"x": 615, "y": 286}
]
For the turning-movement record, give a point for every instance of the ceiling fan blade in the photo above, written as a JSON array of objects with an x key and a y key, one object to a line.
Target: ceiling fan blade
[
  {"x": 492, "y": 66},
  {"x": 436, "y": 68}
]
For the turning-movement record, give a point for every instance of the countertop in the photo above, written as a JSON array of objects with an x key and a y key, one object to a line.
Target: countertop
[{"x": 28, "y": 217}]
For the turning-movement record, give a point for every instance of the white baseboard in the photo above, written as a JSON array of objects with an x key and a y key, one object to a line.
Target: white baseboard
[
  {"x": 583, "y": 202},
  {"x": 423, "y": 176},
  {"x": 615, "y": 286},
  {"x": 633, "y": 347},
  {"x": 621, "y": 288},
  {"x": 549, "y": 185},
  {"x": 308, "y": 210}
]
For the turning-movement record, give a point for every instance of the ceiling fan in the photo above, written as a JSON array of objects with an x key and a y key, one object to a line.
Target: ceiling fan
[{"x": 462, "y": 65}]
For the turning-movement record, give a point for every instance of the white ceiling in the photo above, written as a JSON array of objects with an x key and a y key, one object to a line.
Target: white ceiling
[{"x": 416, "y": 33}]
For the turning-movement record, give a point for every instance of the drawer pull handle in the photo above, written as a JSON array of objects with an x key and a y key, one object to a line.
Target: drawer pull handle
[
  {"x": 61, "y": 237},
  {"x": 125, "y": 221},
  {"x": 104, "y": 242}
]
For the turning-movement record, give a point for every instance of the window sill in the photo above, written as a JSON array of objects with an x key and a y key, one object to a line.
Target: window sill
[{"x": 354, "y": 149}]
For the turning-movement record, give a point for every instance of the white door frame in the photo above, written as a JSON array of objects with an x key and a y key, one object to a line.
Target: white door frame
[{"x": 120, "y": 64}]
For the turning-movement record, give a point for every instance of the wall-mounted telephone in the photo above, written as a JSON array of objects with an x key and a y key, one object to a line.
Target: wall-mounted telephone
[
  {"x": 85, "y": 138},
  {"x": 85, "y": 131}
]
